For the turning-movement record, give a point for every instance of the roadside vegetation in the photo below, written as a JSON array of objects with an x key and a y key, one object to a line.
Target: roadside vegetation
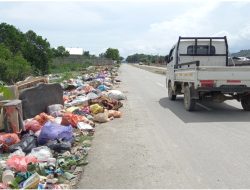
[
  {"x": 242, "y": 53},
  {"x": 146, "y": 59},
  {"x": 24, "y": 54}
]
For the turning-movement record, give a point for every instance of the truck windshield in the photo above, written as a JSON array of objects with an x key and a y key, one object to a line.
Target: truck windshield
[{"x": 200, "y": 50}]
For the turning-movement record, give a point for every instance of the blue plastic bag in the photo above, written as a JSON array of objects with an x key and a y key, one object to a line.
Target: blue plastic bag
[
  {"x": 52, "y": 131},
  {"x": 103, "y": 87}
]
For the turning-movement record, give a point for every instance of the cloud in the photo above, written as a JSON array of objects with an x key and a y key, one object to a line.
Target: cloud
[
  {"x": 132, "y": 27},
  {"x": 162, "y": 35},
  {"x": 237, "y": 40},
  {"x": 52, "y": 14}
]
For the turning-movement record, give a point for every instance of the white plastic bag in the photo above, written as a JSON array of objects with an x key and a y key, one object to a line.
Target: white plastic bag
[
  {"x": 42, "y": 153},
  {"x": 84, "y": 126},
  {"x": 102, "y": 117},
  {"x": 116, "y": 94}
]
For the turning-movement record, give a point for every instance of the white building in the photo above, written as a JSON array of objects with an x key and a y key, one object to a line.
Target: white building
[{"x": 75, "y": 51}]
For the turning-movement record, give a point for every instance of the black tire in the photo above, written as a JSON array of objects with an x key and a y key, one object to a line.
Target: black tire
[
  {"x": 245, "y": 102},
  {"x": 171, "y": 96},
  {"x": 189, "y": 103}
]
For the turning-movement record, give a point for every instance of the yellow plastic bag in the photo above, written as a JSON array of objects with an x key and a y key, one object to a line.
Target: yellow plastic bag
[{"x": 96, "y": 108}]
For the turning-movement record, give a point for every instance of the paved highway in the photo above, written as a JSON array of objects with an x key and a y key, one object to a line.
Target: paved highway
[{"x": 157, "y": 144}]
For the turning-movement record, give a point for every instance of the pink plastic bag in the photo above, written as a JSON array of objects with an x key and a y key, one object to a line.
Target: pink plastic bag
[
  {"x": 20, "y": 163},
  {"x": 32, "y": 125},
  {"x": 8, "y": 139}
]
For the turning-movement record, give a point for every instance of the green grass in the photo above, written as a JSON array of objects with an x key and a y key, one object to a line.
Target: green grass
[{"x": 68, "y": 67}]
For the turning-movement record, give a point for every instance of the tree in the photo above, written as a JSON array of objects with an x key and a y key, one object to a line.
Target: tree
[
  {"x": 121, "y": 58},
  {"x": 59, "y": 52},
  {"x": 101, "y": 55},
  {"x": 112, "y": 54},
  {"x": 86, "y": 54},
  {"x": 17, "y": 69},
  {"x": 5, "y": 53},
  {"x": 12, "y": 67},
  {"x": 135, "y": 58},
  {"x": 37, "y": 51},
  {"x": 32, "y": 47},
  {"x": 11, "y": 37}
]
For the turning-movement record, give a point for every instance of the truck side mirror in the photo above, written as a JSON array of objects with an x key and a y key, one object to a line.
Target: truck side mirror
[{"x": 167, "y": 59}]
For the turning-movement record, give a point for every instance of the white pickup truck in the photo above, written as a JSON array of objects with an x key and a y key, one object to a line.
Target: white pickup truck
[{"x": 198, "y": 67}]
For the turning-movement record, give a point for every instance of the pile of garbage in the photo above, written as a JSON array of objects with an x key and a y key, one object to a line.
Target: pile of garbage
[{"x": 49, "y": 149}]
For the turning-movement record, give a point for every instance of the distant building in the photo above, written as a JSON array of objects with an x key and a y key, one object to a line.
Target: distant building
[{"x": 75, "y": 51}]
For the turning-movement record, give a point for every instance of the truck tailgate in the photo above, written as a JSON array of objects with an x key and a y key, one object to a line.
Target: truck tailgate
[{"x": 223, "y": 73}]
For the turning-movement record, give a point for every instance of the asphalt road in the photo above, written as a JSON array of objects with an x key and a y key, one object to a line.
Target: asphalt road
[{"x": 157, "y": 144}]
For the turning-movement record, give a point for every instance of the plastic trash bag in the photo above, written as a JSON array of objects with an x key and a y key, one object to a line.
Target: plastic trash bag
[
  {"x": 52, "y": 131},
  {"x": 88, "y": 88},
  {"x": 71, "y": 109},
  {"x": 116, "y": 94},
  {"x": 84, "y": 126},
  {"x": 80, "y": 100},
  {"x": 42, "y": 118},
  {"x": 72, "y": 119},
  {"x": 92, "y": 95},
  {"x": 59, "y": 146},
  {"x": 32, "y": 125},
  {"x": 102, "y": 87},
  {"x": 17, "y": 152},
  {"x": 8, "y": 139},
  {"x": 107, "y": 103},
  {"x": 86, "y": 110},
  {"x": 3, "y": 186},
  {"x": 42, "y": 153},
  {"x": 96, "y": 108},
  {"x": 55, "y": 110},
  {"x": 114, "y": 113},
  {"x": 28, "y": 142},
  {"x": 20, "y": 163},
  {"x": 108, "y": 84},
  {"x": 102, "y": 117}
]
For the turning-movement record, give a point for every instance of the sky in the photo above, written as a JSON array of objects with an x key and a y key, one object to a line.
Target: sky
[{"x": 150, "y": 27}]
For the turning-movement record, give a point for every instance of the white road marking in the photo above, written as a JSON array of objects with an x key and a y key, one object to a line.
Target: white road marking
[
  {"x": 205, "y": 107},
  {"x": 159, "y": 84}
]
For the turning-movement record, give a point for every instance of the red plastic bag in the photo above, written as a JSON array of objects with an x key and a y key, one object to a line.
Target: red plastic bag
[
  {"x": 72, "y": 119},
  {"x": 8, "y": 139},
  {"x": 42, "y": 118},
  {"x": 20, "y": 163},
  {"x": 32, "y": 125}
]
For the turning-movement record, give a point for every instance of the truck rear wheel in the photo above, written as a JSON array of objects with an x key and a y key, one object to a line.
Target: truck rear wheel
[
  {"x": 245, "y": 102},
  {"x": 171, "y": 94},
  {"x": 189, "y": 103}
]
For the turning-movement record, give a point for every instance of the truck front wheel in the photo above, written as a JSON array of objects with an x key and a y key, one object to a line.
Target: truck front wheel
[
  {"x": 189, "y": 103},
  {"x": 171, "y": 94},
  {"x": 245, "y": 102}
]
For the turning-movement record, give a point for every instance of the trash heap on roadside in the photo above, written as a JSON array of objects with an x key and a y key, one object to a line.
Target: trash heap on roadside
[{"x": 47, "y": 151}]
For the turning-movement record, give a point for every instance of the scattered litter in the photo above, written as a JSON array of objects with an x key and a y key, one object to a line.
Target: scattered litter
[{"x": 49, "y": 148}]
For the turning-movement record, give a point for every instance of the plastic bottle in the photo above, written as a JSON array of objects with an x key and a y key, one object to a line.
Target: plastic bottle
[{"x": 7, "y": 176}]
